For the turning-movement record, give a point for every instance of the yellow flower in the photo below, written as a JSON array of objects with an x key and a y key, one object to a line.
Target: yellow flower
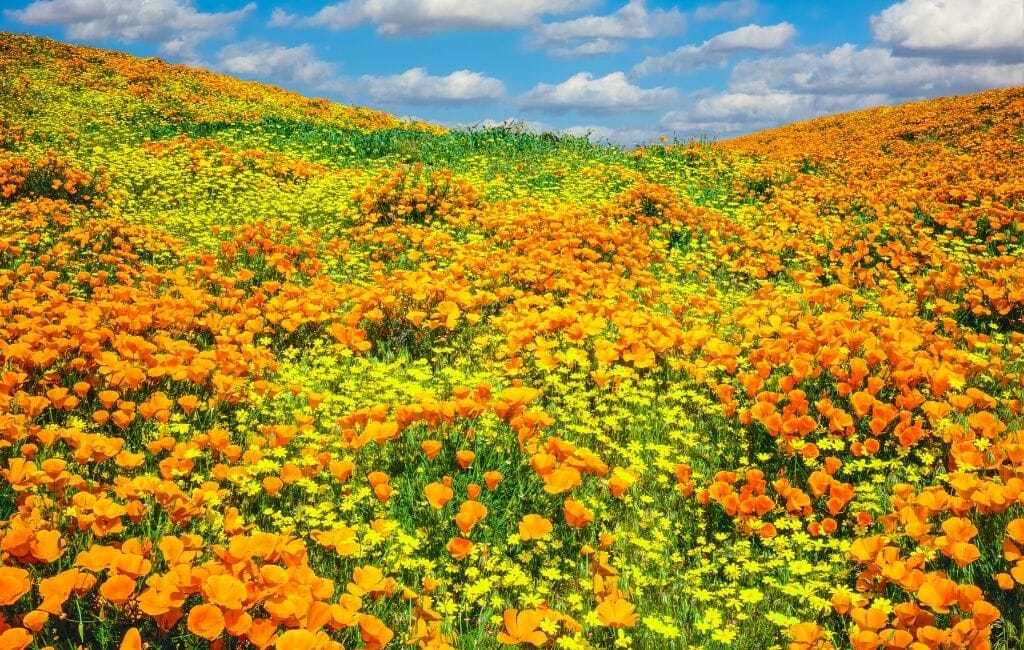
[
  {"x": 751, "y": 596},
  {"x": 724, "y": 635}
]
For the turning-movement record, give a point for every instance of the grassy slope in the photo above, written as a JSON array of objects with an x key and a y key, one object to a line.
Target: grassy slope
[{"x": 709, "y": 330}]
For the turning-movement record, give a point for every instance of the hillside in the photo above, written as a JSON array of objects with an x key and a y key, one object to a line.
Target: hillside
[{"x": 276, "y": 372}]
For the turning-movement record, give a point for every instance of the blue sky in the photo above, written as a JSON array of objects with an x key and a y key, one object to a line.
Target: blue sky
[{"x": 624, "y": 70}]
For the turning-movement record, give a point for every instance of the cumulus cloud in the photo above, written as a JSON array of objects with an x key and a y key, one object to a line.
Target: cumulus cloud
[
  {"x": 281, "y": 18},
  {"x": 934, "y": 48},
  {"x": 612, "y": 93},
  {"x": 588, "y": 48},
  {"x": 767, "y": 92},
  {"x": 175, "y": 24},
  {"x": 870, "y": 70},
  {"x": 733, "y": 10},
  {"x": 410, "y": 17},
  {"x": 289, "y": 65},
  {"x": 718, "y": 50},
  {"x": 631, "y": 21},
  {"x": 955, "y": 29},
  {"x": 753, "y": 37},
  {"x": 731, "y": 113},
  {"x": 415, "y": 86}
]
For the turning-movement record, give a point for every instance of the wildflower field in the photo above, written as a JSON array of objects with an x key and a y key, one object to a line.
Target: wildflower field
[{"x": 276, "y": 372}]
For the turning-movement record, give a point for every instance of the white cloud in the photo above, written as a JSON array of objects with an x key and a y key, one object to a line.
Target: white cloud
[
  {"x": 631, "y": 21},
  {"x": 415, "y": 86},
  {"x": 612, "y": 93},
  {"x": 733, "y": 10},
  {"x": 588, "y": 48},
  {"x": 175, "y": 24},
  {"x": 280, "y": 18},
  {"x": 407, "y": 17},
  {"x": 753, "y": 37},
  {"x": 290, "y": 65},
  {"x": 850, "y": 69},
  {"x": 731, "y": 113},
  {"x": 718, "y": 50},
  {"x": 953, "y": 28},
  {"x": 767, "y": 92}
]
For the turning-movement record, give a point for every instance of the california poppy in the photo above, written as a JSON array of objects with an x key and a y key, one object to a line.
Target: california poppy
[
  {"x": 374, "y": 632},
  {"x": 226, "y": 591},
  {"x": 459, "y": 547},
  {"x": 118, "y": 589},
  {"x": 438, "y": 494},
  {"x": 14, "y": 583},
  {"x": 617, "y": 612},
  {"x": 576, "y": 514},
  {"x": 521, "y": 627},
  {"x": 534, "y": 526},
  {"x": 206, "y": 621}
]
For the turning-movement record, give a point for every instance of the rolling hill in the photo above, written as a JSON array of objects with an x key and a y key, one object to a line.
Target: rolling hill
[{"x": 277, "y": 372}]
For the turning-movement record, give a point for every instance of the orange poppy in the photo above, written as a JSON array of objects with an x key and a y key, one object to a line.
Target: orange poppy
[
  {"x": 561, "y": 480},
  {"x": 15, "y": 638},
  {"x": 296, "y": 640},
  {"x": 534, "y": 526},
  {"x": 237, "y": 622},
  {"x": 470, "y": 512},
  {"x": 869, "y": 619},
  {"x": 155, "y": 602},
  {"x": 272, "y": 485},
  {"x": 465, "y": 458},
  {"x": 1015, "y": 530},
  {"x": 431, "y": 448},
  {"x": 206, "y": 621},
  {"x": 521, "y": 627},
  {"x": 459, "y": 547},
  {"x": 576, "y": 514},
  {"x": 56, "y": 590},
  {"x": 132, "y": 640},
  {"x": 188, "y": 403},
  {"x": 438, "y": 494},
  {"x": 14, "y": 583},
  {"x": 937, "y": 592},
  {"x": 290, "y": 473},
  {"x": 374, "y": 632},
  {"x": 369, "y": 580},
  {"x": 108, "y": 398},
  {"x": 35, "y": 620},
  {"x": 492, "y": 478},
  {"x": 543, "y": 463},
  {"x": 118, "y": 589},
  {"x": 383, "y": 491},
  {"x": 226, "y": 591},
  {"x": 341, "y": 470},
  {"x": 806, "y": 636},
  {"x": 617, "y": 612},
  {"x": 984, "y": 614},
  {"x": 621, "y": 480},
  {"x": 261, "y": 632}
]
